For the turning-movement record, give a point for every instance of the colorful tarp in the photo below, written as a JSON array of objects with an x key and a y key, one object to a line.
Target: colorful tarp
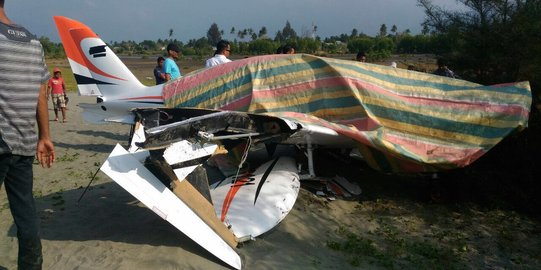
[{"x": 404, "y": 121}]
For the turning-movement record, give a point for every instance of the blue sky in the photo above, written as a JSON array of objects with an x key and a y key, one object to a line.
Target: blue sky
[{"x": 116, "y": 20}]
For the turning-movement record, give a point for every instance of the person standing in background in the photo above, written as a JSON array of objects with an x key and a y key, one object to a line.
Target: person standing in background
[
  {"x": 56, "y": 89},
  {"x": 361, "y": 57},
  {"x": 288, "y": 49},
  {"x": 223, "y": 50},
  {"x": 158, "y": 71},
  {"x": 443, "y": 70},
  {"x": 23, "y": 103},
  {"x": 170, "y": 67}
]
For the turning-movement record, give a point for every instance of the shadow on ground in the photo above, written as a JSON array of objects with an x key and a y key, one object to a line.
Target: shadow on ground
[
  {"x": 92, "y": 147},
  {"x": 107, "y": 137},
  {"x": 107, "y": 213},
  {"x": 103, "y": 134},
  {"x": 504, "y": 178}
]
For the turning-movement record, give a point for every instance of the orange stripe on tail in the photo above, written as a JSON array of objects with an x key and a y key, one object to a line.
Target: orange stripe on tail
[{"x": 72, "y": 33}]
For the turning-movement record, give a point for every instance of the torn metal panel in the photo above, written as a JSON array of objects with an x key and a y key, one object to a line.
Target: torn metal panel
[
  {"x": 250, "y": 203},
  {"x": 166, "y": 126}
]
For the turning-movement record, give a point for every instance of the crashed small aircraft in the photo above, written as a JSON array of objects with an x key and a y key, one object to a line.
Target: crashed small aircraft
[{"x": 398, "y": 120}]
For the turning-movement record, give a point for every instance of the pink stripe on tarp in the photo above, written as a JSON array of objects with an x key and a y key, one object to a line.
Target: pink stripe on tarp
[
  {"x": 238, "y": 104},
  {"x": 510, "y": 109},
  {"x": 143, "y": 97},
  {"x": 303, "y": 86},
  {"x": 457, "y": 155},
  {"x": 505, "y": 84},
  {"x": 364, "y": 124}
]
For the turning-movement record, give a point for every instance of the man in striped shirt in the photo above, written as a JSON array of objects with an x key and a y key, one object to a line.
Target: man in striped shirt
[{"x": 23, "y": 102}]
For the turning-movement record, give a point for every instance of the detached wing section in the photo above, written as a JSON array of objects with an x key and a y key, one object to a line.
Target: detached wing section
[
  {"x": 403, "y": 121},
  {"x": 128, "y": 172}
]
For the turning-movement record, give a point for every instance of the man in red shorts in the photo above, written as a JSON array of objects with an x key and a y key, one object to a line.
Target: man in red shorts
[{"x": 57, "y": 90}]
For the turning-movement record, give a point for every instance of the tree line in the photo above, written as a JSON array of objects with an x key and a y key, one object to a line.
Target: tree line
[
  {"x": 491, "y": 42},
  {"x": 250, "y": 42}
]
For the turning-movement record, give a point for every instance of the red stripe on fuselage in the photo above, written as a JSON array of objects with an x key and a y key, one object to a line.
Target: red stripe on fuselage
[
  {"x": 235, "y": 187},
  {"x": 145, "y": 97}
]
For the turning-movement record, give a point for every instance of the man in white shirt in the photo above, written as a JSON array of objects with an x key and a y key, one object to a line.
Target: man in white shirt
[{"x": 223, "y": 50}]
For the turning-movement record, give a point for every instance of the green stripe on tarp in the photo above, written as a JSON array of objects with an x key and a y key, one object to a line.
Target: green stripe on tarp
[
  {"x": 312, "y": 106},
  {"x": 437, "y": 123}
]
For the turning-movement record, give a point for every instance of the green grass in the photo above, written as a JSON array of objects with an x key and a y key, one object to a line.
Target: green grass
[
  {"x": 67, "y": 157},
  {"x": 142, "y": 68},
  {"x": 387, "y": 247}
]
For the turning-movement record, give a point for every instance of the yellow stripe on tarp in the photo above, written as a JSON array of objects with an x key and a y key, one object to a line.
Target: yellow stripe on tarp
[
  {"x": 477, "y": 118},
  {"x": 292, "y": 78},
  {"x": 298, "y": 98},
  {"x": 396, "y": 87},
  {"x": 395, "y": 73},
  {"x": 437, "y": 133}
]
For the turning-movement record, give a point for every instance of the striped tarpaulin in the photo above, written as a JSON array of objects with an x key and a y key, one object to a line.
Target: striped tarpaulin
[{"x": 404, "y": 121}]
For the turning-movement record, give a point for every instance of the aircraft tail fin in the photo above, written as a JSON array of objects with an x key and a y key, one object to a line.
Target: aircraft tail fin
[{"x": 97, "y": 70}]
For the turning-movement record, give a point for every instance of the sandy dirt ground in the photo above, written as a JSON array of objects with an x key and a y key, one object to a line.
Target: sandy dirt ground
[{"x": 394, "y": 224}]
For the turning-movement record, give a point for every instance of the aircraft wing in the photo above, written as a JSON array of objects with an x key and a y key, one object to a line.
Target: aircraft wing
[
  {"x": 401, "y": 120},
  {"x": 133, "y": 176}
]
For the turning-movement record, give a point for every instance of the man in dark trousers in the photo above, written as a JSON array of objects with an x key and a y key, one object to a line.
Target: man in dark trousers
[
  {"x": 158, "y": 71},
  {"x": 23, "y": 103}
]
